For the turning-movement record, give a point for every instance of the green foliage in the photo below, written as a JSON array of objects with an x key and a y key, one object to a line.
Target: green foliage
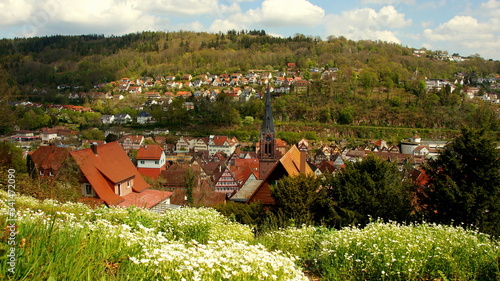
[
  {"x": 464, "y": 185},
  {"x": 93, "y": 134},
  {"x": 298, "y": 198},
  {"x": 11, "y": 157},
  {"x": 252, "y": 214},
  {"x": 369, "y": 188}
]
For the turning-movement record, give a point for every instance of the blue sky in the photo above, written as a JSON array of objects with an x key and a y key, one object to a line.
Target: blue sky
[{"x": 457, "y": 26}]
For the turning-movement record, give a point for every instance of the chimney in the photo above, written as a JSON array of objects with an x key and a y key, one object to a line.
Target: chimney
[
  {"x": 93, "y": 146},
  {"x": 303, "y": 163}
]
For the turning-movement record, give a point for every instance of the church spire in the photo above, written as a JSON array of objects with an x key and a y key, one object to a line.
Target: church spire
[{"x": 268, "y": 123}]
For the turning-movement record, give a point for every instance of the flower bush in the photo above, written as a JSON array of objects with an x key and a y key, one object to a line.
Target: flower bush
[{"x": 73, "y": 242}]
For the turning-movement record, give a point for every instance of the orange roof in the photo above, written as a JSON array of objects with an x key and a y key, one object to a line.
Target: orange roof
[
  {"x": 49, "y": 157},
  {"x": 147, "y": 199},
  {"x": 291, "y": 162},
  {"x": 288, "y": 165},
  {"x": 183, "y": 94},
  {"x": 108, "y": 167},
  {"x": 219, "y": 140},
  {"x": 136, "y": 139},
  {"x": 149, "y": 152}
]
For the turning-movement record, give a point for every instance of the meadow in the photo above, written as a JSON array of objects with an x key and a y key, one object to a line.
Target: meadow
[{"x": 70, "y": 241}]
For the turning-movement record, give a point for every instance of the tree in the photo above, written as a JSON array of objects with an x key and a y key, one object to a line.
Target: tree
[
  {"x": 373, "y": 188},
  {"x": 298, "y": 198},
  {"x": 464, "y": 183}
]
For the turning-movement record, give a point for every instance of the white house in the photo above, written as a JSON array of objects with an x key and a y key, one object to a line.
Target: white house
[
  {"x": 221, "y": 144},
  {"x": 107, "y": 119},
  {"x": 144, "y": 117},
  {"x": 122, "y": 118}
]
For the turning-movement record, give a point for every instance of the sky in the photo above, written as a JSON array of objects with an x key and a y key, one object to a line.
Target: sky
[{"x": 466, "y": 27}]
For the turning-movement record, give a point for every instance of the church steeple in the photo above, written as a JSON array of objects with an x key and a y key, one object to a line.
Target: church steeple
[
  {"x": 268, "y": 123},
  {"x": 267, "y": 149}
]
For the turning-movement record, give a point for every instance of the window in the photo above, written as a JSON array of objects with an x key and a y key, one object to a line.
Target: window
[
  {"x": 41, "y": 172},
  {"x": 157, "y": 162},
  {"x": 88, "y": 189},
  {"x": 142, "y": 161},
  {"x": 128, "y": 184},
  {"x": 51, "y": 174}
]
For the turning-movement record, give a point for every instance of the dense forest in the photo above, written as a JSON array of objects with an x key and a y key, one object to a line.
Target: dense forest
[{"x": 378, "y": 84}]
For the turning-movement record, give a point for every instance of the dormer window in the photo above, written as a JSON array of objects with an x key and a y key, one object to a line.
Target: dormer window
[
  {"x": 41, "y": 172},
  {"x": 51, "y": 174}
]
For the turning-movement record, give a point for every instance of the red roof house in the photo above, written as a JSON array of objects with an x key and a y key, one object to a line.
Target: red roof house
[
  {"x": 108, "y": 174},
  {"x": 46, "y": 161},
  {"x": 151, "y": 160}
]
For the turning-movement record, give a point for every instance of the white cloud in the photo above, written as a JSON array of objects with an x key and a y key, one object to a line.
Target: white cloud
[
  {"x": 367, "y": 23},
  {"x": 388, "y": 2},
  {"x": 15, "y": 11},
  {"x": 180, "y": 7},
  {"x": 225, "y": 25},
  {"x": 466, "y": 32},
  {"x": 285, "y": 12}
]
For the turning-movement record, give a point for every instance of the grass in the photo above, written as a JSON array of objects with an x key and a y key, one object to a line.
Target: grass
[{"x": 70, "y": 241}]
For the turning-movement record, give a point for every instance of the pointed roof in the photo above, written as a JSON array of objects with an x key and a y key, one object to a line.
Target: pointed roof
[
  {"x": 268, "y": 124},
  {"x": 109, "y": 166},
  {"x": 49, "y": 157},
  {"x": 288, "y": 165}
]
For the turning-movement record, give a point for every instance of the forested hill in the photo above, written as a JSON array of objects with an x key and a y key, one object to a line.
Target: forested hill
[{"x": 88, "y": 59}]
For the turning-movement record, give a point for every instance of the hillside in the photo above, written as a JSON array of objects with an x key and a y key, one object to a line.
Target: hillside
[{"x": 374, "y": 84}]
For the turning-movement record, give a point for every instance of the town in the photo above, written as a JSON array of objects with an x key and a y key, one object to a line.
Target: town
[{"x": 217, "y": 168}]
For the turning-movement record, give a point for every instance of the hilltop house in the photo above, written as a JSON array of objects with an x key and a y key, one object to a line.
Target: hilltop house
[
  {"x": 108, "y": 176},
  {"x": 145, "y": 117},
  {"x": 122, "y": 118}
]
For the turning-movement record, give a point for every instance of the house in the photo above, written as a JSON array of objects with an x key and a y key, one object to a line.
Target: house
[
  {"x": 129, "y": 142},
  {"x": 108, "y": 176},
  {"x": 58, "y": 132},
  {"x": 292, "y": 164},
  {"x": 48, "y": 134},
  {"x": 185, "y": 144},
  {"x": 225, "y": 181},
  {"x": 221, "y": 144},
  {"x": 183, "y": 94},
  {"x": 122, "y": 118},
  {"x": 46, "y": 161},
  {"x": 144, "y": 118},
  {"x": 152, "y": 95},
  {"x": 107, "y": 119},
  {"x": 151, "y": 160},
  {"x": 200, "y": 144},
  {"x": 301, "y": 86}
]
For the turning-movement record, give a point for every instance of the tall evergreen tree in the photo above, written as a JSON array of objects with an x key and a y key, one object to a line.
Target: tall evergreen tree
[
  {"x": 373, "y": 188},
  {"x": 464, "y": 183},
  {"x": 298, "y": 198}
]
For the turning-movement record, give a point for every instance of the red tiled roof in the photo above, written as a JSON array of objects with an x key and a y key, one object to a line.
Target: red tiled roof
[
  {"x": 146, "y": 199},
  {"x": 149, "y": 152},
  {"x": 137, "y": 139},
  {"x": 108, "y": 167},
  {"x": 49, "y": 157}
]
